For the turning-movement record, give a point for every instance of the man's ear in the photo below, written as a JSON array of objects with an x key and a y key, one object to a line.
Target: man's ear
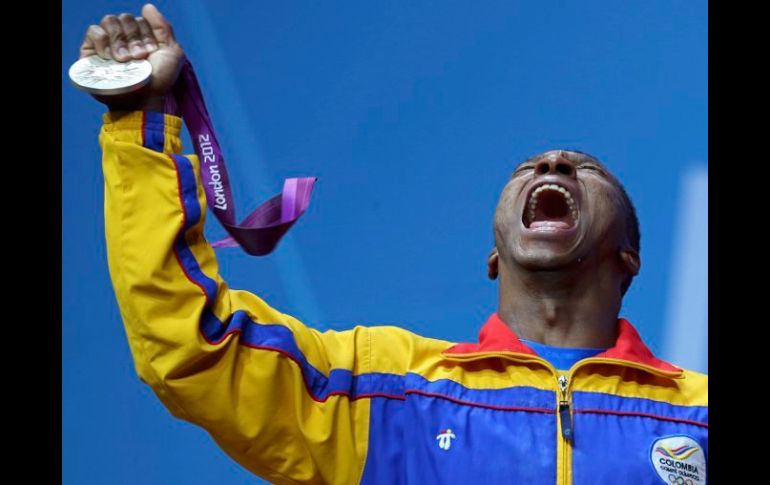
[
  {"x": 630, "y": 259},
  {"x": 492, "y": 264}
]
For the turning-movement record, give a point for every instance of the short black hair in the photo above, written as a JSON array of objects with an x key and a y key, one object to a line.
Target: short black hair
[{"x": 632, "y": 226}]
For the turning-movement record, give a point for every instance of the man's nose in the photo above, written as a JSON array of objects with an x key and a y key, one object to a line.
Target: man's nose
[{"x": 555, "y": 165}]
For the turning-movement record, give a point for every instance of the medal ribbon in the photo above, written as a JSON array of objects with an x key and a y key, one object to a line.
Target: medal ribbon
[{"x": 260, "y": 231}]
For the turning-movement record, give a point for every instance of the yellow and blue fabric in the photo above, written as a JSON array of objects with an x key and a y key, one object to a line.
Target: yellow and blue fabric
[{"x": 368, "y": 405}]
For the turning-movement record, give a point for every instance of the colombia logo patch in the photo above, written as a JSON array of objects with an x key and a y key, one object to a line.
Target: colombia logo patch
[{"x": 678, "y": 460}]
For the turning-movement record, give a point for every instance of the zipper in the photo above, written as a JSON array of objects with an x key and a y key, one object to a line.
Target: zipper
[
  {"x": 564, "y": 442},
  {"x": 564, "y": 409}
]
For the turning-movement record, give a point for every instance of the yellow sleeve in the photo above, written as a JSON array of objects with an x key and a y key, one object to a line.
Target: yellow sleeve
[{"x": 280, "y": 398}]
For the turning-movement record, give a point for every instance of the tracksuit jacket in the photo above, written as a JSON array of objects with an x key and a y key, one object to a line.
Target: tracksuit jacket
[{"x": 373, "y": 404}]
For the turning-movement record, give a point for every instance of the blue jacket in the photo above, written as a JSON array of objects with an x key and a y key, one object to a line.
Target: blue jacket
[{"x": 371, "y": 404}]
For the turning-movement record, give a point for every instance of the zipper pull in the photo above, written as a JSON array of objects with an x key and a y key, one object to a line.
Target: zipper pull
[{"x": 564, "y": 415}]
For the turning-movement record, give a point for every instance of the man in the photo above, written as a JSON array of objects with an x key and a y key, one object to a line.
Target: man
[{"x": 558, "y": 389}]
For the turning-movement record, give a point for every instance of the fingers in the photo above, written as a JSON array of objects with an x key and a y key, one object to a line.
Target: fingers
[
  {"x": 117, "y": 38},
  {"x": 96, "y": 42},
  {"x": 125, "y": 37},
  {"x": 148, "y": 39},
  {"x": 161, "y": 29},
  {"x": 133, "y": 35}
]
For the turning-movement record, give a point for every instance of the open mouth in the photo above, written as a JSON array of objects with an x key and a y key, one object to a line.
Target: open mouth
[{"x": 550, "y": 207}]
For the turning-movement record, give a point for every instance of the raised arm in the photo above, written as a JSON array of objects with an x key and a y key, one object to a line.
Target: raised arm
[{"x": 279, "y": 397}]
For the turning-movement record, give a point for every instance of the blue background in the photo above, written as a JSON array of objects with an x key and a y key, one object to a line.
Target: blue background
[{"x": 412, "y": 115}]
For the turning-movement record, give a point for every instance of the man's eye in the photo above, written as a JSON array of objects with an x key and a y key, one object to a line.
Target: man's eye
[{"x": 521, "y": 170}]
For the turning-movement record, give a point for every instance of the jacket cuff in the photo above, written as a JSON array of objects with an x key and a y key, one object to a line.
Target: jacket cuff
[{"x": 152, "y": 130}]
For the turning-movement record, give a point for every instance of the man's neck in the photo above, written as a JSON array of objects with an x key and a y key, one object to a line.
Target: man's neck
[{"x": 558, "y": 309}]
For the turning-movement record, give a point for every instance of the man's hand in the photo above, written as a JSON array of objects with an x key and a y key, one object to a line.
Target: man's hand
[{"x": 125, "y": 37}]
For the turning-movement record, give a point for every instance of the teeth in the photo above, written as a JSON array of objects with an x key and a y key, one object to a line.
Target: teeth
[{"x": 567, "y": 196}]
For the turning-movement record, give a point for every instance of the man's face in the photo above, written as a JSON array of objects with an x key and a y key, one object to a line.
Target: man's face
[{"x": 557, "y": 208}]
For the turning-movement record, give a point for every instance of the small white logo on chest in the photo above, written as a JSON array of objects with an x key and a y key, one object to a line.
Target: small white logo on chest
[{"x": 445, "y": 438}]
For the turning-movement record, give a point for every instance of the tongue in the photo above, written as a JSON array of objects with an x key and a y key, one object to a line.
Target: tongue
[{"x": 549, "y": 225}]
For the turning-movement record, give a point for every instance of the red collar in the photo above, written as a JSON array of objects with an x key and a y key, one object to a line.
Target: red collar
[{"x": 496, "y": 336}]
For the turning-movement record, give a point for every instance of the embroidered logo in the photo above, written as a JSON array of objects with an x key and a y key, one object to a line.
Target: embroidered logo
[
  {"x": 678, "y": 460},
  {"x": 445, "y": 438}
]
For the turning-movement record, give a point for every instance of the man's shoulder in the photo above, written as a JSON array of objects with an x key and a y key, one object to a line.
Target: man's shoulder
[
  {"x": 392, "y": 335},
  {"x": 398, "y": 350},
  {"x": 695, "y": 376},
  {"x": 690, "y": 388},
  {"x": 697, "y": 384}
]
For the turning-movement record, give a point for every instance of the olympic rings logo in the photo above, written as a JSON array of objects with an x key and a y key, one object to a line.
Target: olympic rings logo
[{"x": 679, "y": 480}]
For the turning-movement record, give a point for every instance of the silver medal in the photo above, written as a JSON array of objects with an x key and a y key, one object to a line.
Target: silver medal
[{"x": 108, "y": 77}]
